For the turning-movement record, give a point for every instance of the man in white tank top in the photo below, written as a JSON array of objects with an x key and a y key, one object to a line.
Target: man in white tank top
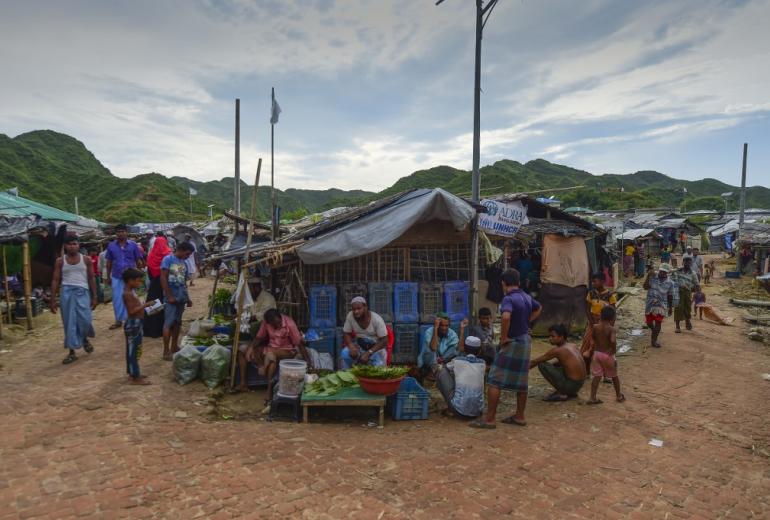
[{"x": 75, "y": 274}]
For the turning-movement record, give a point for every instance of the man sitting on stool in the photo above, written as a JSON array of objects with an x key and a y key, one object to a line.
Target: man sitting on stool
[{"x": 461, "y": 381}]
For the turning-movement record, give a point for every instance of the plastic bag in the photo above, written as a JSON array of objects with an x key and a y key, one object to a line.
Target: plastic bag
[
  {"x": 214, "y": 365},
  {"x": 195, "y": 328},
  {"x": 187, "y": 364}
]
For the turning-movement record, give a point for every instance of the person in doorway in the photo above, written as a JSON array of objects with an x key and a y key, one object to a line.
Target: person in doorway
[
  {"x": 524, "y": 266},
  {"x": 628, "y": 259},
  {"x": 510, "y": 368},
  {"x": 683, "y": 241},
  {"x": 604, "y": 363},
  {"x": 153, "y": 325},
  {"x": 132, "y": 329},
  {"x": 74, "y": 273},
  {"x": 660, "y": 300},
  {"x": 596, "y": 299},
  {"x": 263, "y": 300},
  {"x": 687, "y": 281},
  {"x": 192, "y": 261},
  {"x": 365, "y": 337},
  {"x": 485, "y": 331},
  {"x": 568, "y": 373},
  {"x": 440, "y": 344},
  {"x": 121, "y": 254},
  {"x": 173, "y": 277},
  {"x": 461, "y": 381},
  {"x": 277, "y": 338}
]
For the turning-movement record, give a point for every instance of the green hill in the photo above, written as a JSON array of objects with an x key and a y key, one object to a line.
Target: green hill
[{"x": 54, "y": 168}]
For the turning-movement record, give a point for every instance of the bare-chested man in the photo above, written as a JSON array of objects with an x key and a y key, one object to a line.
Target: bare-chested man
[
  {"x": 603, "y": 363},
  {"x": 569, "y": 373}
]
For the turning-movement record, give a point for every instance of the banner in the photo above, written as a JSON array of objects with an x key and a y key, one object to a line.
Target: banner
[{"x": 503, "y": 218}]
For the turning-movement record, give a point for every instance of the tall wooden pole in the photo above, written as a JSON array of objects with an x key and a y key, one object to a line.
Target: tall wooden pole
[
  {"x": 27, "y": 283},
  {"x": 274, "y": 218},
  {"x": 244, "y": 276},
  {"x": 7, "y": 289},
  {"x": 237, "y": 186},
  {"x": 743, "y": 200}
]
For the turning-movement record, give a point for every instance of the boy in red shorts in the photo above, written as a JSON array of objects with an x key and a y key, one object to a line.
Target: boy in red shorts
[{"x": 603, "y": 363}]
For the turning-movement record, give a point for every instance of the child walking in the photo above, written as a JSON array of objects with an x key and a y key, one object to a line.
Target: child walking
[
  {"x": 603, "y": 363},
  {"x": 134, "y": 325},
  {"x": 698, "y": 301}
]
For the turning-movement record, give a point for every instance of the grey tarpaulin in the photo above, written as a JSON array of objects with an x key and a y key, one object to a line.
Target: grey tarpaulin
[
  {"x": 378, "y": 229},
  {"x": 16, "y": 229}
]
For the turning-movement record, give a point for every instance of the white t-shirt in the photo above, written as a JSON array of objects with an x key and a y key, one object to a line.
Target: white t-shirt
[{"x": 374, "y": 331}]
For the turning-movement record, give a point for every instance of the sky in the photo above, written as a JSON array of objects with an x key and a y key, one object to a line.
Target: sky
[{"x": 372, "y": 90}]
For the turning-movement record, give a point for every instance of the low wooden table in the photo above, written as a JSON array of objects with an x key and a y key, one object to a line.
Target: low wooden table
[{"x": 346, "y": 397}]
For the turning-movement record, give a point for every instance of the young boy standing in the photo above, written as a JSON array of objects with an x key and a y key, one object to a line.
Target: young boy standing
[
  {"x": 134, "y": 325},
  {"x": 603, "y": 363},
  {"x": 698, "y": 301},
  {"x": 173, "y": 280}
]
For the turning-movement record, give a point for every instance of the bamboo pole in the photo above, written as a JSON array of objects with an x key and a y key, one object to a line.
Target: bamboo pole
[
  {"x": 27, "y": 283},
  {"x": 213, "y": 292},
  {"x": 7, "y": 289},
  {"x": 244, "y": 276}
]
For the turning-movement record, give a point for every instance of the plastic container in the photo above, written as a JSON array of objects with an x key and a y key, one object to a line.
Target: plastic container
[
  {"x": 346, "y": 294},
  {"x": 410, "y": 402},
  {"x": 292, "y": 377},
  {"x": 406, "y": 346},
  {"x": 323, "y": 306},
  {"x": 381, "y": 299},
  {"x": 405, "y": 306},
  {"x": 380, "y": 386},
  {"x": 431, "y": 301},
  {"x": 456, "y": 300}
]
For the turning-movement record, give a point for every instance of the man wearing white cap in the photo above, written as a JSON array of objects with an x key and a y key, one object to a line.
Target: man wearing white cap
[
  {"x": 263, "y": 300},
  {"x": 461, "y": 381},
  {"x": 366, "y": 337},
  {"x": 660, "y": 300}
]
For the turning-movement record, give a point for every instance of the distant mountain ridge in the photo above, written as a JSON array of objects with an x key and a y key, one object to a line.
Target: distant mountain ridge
[{"x": 54, "y": 168}]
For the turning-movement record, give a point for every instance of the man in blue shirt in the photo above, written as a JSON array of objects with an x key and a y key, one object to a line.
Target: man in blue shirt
[
  {"x": 173, "y": 280},
  {"x": 439, "y": 344},
  {"x": 510, "y": 368},
  {"x": 461, "y": 381},
  {"x": 121, "y": 254}
]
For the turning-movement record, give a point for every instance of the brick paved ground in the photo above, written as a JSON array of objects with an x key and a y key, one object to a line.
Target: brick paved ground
[{"x": 75, "y": 441}]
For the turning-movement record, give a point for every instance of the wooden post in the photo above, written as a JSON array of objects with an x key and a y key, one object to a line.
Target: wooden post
[
  {"x": 7, "y": 289},
  {"x": 244, "y": 275},
  {"x": 213, "y": 292},
  {"x": 27, "y": 283}
]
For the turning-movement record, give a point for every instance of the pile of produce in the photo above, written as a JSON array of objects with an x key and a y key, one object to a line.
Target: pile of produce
[
  {"x": 331, "y": 384},
  {"x": 384, "y": 373}
]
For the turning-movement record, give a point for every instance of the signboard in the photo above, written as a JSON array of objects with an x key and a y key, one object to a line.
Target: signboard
[{"x": 503, "y": 218}]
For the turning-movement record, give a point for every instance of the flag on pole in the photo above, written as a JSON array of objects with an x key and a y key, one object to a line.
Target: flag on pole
[
  {"x": 193, "y": 192},
  {"x": 275, "y": 112}
]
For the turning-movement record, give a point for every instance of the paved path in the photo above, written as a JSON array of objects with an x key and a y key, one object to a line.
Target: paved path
[{"x": 75, "y": 441}]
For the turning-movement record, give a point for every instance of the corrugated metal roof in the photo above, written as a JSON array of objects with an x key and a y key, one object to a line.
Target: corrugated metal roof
[{"x": 14, "y": 206}]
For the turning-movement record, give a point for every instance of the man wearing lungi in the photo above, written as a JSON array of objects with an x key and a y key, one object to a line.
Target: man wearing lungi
[
  {"x": 121, "y": 254},
  {"x": 688, "y": 282},
  {"x": 74, "y": 272},
  {"x": 510, "y": 368}
]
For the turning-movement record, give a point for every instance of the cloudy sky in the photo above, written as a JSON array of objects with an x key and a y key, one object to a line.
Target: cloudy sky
[{"x": 372, "y": 90}]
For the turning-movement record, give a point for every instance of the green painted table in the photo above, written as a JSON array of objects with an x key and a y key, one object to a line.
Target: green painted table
[{"x": 346, "y": 397}]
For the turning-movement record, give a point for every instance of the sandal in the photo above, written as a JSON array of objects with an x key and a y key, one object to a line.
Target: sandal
[
  {"x": 71, "y": 358},
  {"x": 116, "y": 325},
  {"x": 555, "y": 398},
  {"x": 622, "y": 398},
  {"x": 482, "y": 425},
  {"x": 87, "y": 346},
  {"x": 513, "y": 420}
]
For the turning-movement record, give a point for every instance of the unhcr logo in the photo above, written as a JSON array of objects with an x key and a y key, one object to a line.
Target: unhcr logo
[{"x": 491, "y": 207}]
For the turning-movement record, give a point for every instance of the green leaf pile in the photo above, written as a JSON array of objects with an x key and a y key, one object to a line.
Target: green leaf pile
[
  {"x": 370, "y": 372},
  {"x": 331, "y": 384}
]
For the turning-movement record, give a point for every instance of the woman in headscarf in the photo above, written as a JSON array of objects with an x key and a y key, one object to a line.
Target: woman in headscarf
[{"x": 153, "y": 325}]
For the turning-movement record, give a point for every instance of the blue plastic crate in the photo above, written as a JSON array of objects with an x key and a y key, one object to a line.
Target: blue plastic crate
[
  {"x": 410, "y": 402},
  {"x": 431, "y": 301},
  {"x": 253, "y": 377},
  {"x": 423, "y": 329},
  {"x": 406, "y": 346},
  {"x": 456, "y": 300},
  {"x": 381, "y": 299},
  {"x": 323, "y": 306},
  {"x": 327, "y": 342},
  {"x": 346, "y": 294},
  {"x": 405, "y": 306}
]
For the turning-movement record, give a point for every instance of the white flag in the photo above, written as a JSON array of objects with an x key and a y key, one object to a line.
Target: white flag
[
  {"x": 275, "y": 113},
  {"x": 14, "y": 191},
  {"x": 193, "y": 192}
]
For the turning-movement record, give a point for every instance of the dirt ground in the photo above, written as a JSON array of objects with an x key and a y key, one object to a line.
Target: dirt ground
[{"x": 76, "y": 441}]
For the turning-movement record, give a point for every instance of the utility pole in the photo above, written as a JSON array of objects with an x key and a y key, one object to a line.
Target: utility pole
[
  {"x": 77, "y": 210},
  {"x": 483, "y": 13},
  {"x": 743, "y": 187},
  {"x": 273, "y": 120},
  {"x": 237, "y": 186}
]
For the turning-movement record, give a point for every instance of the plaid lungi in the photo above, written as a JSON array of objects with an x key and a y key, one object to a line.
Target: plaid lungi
[{"x": 510, "y": 368}]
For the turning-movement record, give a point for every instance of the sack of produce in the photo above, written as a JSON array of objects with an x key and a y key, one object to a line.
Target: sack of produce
[
  {"x": 186, "y": 364},
  {"x": 214, "y": 364}
]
